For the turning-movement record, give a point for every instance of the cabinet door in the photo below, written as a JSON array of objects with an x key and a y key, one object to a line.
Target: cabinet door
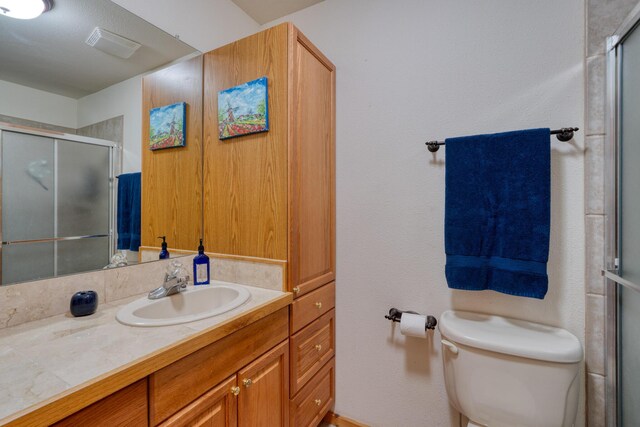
[
  {"x": 215, "y": 408},
  {"x": 263, "y": 399},
  {"x": 311, "y": 168}
]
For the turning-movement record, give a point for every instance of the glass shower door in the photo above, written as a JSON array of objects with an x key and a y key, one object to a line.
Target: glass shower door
[
  {"x": 629, "y": 232},
  {"x": 623, "y": 253}
]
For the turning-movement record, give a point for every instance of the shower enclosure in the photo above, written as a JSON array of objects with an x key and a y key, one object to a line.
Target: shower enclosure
[
  {"x": 622, "y": 253},
  {"x": 57, "y": 204}
]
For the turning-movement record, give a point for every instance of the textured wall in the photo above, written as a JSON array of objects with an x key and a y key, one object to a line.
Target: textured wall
[{"x": 36, "y": 105}]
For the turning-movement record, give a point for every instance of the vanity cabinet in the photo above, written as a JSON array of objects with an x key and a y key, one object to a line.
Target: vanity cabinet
[
  {"x": 127, "y": 407},
  {"x": 256, "y": 396}
]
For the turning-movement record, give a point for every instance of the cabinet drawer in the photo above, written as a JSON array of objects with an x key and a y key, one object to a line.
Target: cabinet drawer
[
  {"x": 173, "y": 387},
  {"x": 306, "y": 309},
  {"x": 315, "y": 399},
  {"x": 311, "y": 348}
]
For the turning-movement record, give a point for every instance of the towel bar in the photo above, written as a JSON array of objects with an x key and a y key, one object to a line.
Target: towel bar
[{"x": 563, "y": 134}]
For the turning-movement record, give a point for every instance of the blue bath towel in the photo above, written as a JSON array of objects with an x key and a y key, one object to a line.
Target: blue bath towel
[
  {"x": 128, "y": 215},
  {"x": 497, "y": 212}
]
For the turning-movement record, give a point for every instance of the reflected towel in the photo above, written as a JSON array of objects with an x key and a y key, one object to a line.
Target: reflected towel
[
  {"x": 128, "y": 215},
  {"x": 497, "y": 212}
]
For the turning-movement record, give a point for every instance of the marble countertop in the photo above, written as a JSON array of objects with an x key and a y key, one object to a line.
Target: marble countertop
[{"x": 45, "y": 358}]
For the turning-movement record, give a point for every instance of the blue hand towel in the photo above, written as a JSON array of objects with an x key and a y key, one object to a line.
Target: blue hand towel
[
  {"x": 128, "y": 215},
  {"x": 497, "y": 212}
]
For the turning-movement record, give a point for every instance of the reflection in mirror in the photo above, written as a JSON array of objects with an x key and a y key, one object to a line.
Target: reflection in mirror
[{"x": 70, "y": 123}]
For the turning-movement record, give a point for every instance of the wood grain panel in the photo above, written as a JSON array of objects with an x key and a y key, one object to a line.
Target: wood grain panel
[
  {"x": 340, "y": 421},
  {"x": 172, "y": 177},
  {"x": 315, "y": 399},
  {"x": 127, "y": 407},
  {"x": 310, "y": 350},
  {"x": 245, "y": 178},
  {"x": 265, "y": 400},
  {"x": 306, "y": 309},
  {"x": 216, "y": 408},
  {"x": 312, "y": 166},
  {"x": 182, "y": 382}
]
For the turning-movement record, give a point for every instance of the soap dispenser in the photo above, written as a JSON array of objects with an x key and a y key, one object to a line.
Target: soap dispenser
[
  {"x": 201, "y": 267},
  {"x": 164, "y": 253}
]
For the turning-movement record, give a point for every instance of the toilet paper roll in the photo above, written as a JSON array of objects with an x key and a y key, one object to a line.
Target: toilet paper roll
[{"x": 413, "y": 325}]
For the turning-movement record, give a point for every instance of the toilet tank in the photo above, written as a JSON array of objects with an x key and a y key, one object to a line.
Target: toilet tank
[{"x": 503, "y": 372}]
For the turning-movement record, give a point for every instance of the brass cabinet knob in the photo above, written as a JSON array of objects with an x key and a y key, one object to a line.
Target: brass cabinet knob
[
  {"x": 235, "y": 391},
  {"x": 319, "y": 305},
  {"x": 318, "y": 402},
  {"x": 296, "y": 290},
  {"x": 247, "y": 382},
  {"x": 318, "y": 347}
]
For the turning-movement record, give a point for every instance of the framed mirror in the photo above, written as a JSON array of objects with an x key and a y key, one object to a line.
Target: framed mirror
[{"x": 70, "y": 124}]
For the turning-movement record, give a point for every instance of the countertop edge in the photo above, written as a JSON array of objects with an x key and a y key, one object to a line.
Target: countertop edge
[{"x": 70, "y": 401}]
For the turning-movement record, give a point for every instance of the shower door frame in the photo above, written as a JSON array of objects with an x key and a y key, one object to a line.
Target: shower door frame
[
  {"x": 612, "y": 196},
  {"x": 115, "y": 166}
]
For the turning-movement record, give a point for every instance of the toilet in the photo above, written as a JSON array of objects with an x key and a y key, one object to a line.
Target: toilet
[{"x": 503, "y": 372}]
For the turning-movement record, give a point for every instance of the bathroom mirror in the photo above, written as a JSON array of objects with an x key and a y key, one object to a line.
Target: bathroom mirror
[{"x": 76, "y": 69}]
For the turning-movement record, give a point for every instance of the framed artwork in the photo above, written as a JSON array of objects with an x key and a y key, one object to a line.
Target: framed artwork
[
  {"x": 243, "y": 109},
  {"x": 167, "y": 126}
]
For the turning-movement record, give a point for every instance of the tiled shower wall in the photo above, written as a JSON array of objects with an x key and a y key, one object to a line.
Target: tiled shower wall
[{"x": 602, "y": 19}]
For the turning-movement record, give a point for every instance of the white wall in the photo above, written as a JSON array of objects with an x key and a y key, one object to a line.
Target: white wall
[
  {"x": 37, "y": 105},
  {"x": 124, "y": 98},
  {"x": 420, "y": 70}
]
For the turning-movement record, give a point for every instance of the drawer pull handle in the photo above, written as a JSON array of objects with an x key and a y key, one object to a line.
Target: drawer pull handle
[
  {"x": 235, "y": 391},
  {"x": 247, "y": 382},
  {"x": 319, "y": 305},
  {"x": 318, "y": 402},
  {"x": 296, "y": 290},
  {"x": 319, "y": 347}
]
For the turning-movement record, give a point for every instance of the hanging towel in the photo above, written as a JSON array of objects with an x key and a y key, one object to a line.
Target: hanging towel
[
  {"x": 497, "y": 212},
  {"x": 128, "y": 215}
]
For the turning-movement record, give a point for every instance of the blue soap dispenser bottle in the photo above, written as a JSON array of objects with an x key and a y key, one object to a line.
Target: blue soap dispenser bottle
[
  {"x": 164, "y": 253},
  {"x": 201, "y": 267}
]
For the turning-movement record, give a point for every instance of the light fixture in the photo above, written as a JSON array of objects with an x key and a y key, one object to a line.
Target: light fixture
[
  {"x": 112, "y": 43},
  {"x": 24, "y": 9}
]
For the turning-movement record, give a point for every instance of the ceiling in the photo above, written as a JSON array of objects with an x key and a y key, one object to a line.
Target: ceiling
[
  {"x": 49, "y": 53},
  {"x": 263, "y": 11}
]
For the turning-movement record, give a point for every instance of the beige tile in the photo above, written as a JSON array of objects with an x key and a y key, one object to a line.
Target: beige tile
[
  {"x": 603, "y": 18},
  {"x": 595, "y": 400},
  {"x": 263, "y": 275},
  {"x": 594, "y": 175},
  {"x": 594, "y": 334},
  {"x": 137, "y": 279},
  {"x": 30, "y": 301},
  {"x": 594, "y": 254},
  {"x": 595, "y": 97}
]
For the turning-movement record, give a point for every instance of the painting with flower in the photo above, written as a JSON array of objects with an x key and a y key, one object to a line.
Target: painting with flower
[
  {"x": 167, "y": 126},
  {"x": 243, "y": 109}
]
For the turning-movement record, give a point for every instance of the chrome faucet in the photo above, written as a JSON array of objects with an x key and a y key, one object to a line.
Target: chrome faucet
[{"x": 175, "y": 281}]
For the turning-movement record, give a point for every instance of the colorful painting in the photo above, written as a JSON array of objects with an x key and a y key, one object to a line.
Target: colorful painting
[
  {"x": 167, "y": 126},
  {"x": 243, "y": 109}
]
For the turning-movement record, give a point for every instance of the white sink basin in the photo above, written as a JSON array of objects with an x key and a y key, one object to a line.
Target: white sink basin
[{"x": 195, "y": 303}]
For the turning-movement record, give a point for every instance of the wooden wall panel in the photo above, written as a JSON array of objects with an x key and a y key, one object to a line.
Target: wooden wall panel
[
  {"x": 312, "y": 166},
  {"x": 172, "y": 177},
  {"x": 245, "y": 178}
]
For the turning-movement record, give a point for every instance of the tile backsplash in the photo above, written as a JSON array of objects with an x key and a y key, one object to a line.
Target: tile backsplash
[{"x": 26, "y": 302}]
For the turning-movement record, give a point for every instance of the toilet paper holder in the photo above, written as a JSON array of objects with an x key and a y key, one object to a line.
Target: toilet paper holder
[{"x": 395, "y": 315}]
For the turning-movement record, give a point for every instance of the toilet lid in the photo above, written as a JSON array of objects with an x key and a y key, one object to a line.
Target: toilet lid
[{"x": 511, "y": 336}]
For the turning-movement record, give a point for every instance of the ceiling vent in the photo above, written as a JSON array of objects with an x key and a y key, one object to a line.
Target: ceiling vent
[{"x": 112, "y": 44}]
